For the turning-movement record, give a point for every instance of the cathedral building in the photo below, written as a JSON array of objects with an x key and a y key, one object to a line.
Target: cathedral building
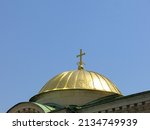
[{"x": 83, "y": 91}]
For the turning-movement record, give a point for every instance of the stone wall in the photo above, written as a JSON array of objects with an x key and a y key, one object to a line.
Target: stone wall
[
  {"x": 141, "y": 107},
  {"x": 135, "y": 103}
]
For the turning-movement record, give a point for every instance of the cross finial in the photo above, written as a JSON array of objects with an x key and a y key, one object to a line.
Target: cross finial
[{"x": 80, "y": 65}]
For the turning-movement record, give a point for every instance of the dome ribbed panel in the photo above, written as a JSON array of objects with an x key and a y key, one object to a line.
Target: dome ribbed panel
[
  {"x": 68, "y": 83},
  {"x": 97, "y": 82},
  {"x": 80, "y": 79},
  {"x": 53, "y": 83}
]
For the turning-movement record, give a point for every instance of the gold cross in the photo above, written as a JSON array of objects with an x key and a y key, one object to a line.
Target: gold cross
[{"x": 80, "y": 66}]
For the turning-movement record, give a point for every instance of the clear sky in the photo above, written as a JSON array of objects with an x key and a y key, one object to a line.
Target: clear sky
[{"x": 41, "y": 38}]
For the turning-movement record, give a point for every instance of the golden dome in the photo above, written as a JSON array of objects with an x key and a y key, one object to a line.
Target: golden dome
[{"x": 80, "y": 79}]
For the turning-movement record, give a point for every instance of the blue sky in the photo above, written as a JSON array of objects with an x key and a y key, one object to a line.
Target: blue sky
[{"x": 40, "y": 39}]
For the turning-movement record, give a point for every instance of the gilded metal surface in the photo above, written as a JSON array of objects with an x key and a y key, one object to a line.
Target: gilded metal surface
[{"x": 80, "y": 79}]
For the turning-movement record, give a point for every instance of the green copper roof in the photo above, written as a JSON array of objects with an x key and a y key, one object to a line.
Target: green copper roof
[{"x": 45, "y": 108}]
